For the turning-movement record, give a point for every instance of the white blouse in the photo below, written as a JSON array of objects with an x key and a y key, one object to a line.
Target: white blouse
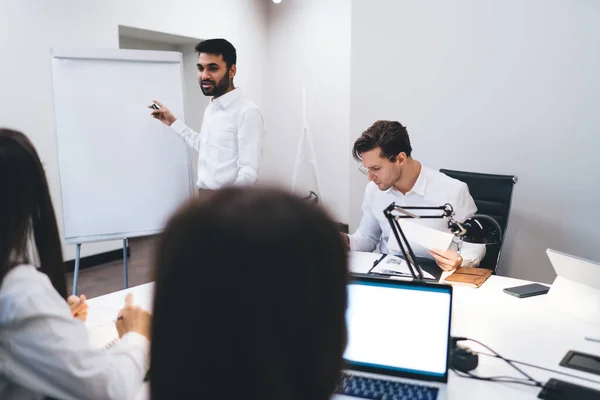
[{"x": 45, "y": 351}]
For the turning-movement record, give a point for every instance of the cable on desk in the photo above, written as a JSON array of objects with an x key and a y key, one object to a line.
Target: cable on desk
[
  {"x": 497, "y": 379},
  {"x": 542, "y": 368},
  {"x": 528, "y": 382}
]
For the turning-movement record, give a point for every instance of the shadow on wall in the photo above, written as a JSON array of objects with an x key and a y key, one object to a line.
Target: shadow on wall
[{"x": 530, "y": 235}]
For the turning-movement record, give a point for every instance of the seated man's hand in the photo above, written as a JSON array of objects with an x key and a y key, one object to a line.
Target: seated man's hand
[{"x": 447, "y": 260}]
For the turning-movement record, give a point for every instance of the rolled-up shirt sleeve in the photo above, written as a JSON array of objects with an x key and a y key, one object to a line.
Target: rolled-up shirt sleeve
[{"x": 464, "y": 207}]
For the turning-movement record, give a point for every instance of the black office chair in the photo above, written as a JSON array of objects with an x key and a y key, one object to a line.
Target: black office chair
[{"x": 493, "y": 196}]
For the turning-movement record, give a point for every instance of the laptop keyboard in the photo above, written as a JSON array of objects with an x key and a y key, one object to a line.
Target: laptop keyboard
[{"x": 380, "y": 389}]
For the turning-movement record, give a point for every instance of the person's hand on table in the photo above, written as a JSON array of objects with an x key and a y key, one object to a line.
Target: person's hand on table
[{"x": 133, "y": 318}]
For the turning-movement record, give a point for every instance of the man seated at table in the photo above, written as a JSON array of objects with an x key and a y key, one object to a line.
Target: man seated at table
[
  {"x": 385, "y": 152},
  {"x": 250, "y": 300}
]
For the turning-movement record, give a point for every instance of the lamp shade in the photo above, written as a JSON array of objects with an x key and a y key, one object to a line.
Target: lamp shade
[{"x": 482, "y": 228}]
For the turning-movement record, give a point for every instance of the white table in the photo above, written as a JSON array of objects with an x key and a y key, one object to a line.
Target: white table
[
  {"x": 104, "y": 309},
  {"x": 527, "y": 330}
]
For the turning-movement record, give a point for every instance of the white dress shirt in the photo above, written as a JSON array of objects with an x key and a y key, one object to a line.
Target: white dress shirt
[
  {"x": 432, "y": 188},
  {"x": 229, "y": 144},
  {"x": 45, "y": 351}
]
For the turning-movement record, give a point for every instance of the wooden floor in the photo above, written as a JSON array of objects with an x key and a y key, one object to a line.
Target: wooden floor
[{"x": 107, "y": 278}]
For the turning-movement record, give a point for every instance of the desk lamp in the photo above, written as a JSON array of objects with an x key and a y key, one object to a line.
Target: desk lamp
[{"x": 477, "y": 229}]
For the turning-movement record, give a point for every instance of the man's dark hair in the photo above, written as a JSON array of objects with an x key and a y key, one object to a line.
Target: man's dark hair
[
  {"x": 219, "y": 47},
  {"x": 390, "y": 136}
]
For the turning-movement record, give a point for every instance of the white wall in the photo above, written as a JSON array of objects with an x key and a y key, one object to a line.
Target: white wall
[
  {"x": 509, "y": 87},
  {"x": 29, "y": 28},
  {"x": 143, "y": 44},
  {"x": 309, "y": 44}
]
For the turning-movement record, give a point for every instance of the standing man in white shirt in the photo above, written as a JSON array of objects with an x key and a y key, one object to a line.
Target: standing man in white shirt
[
  {"x": 385, "y": 152},
  {"x": 229, "y": 144}
]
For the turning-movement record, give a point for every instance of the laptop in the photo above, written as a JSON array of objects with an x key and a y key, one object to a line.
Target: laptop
[
  {"x": 398, "y": 340},
  {"x": 576, "y": 289},
  {"x": 575, "y": 269}
]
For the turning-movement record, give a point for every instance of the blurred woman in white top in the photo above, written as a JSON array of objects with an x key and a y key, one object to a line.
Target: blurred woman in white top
[{"x": 44, "y": 346}]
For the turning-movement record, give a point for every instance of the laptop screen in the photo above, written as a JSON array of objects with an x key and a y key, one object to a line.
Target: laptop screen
[{"x": 402, "y": 328}]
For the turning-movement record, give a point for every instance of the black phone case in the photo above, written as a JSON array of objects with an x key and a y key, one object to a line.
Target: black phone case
[{"x": 528, "y": 294}]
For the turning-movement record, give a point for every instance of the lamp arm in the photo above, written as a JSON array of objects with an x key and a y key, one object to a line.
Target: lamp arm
[{"x": 405, "y": 248}]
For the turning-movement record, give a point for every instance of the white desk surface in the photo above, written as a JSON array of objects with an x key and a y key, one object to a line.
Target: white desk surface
[{"x": 527, "y": 330}]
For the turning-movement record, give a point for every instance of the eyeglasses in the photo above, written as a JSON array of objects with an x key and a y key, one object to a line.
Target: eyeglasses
[{"x": 366, "y": 170}]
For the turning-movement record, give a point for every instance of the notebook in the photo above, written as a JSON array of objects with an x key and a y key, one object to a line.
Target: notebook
[
  {"x": 468, "y": 276},
  {"x": 104, "y": 336}
]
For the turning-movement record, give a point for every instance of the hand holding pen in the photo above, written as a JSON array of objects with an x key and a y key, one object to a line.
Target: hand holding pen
[
  {"x": 133, "y": 318},
  {"x": 79, "y": 307},
  {"x": 162, "y": 113}
]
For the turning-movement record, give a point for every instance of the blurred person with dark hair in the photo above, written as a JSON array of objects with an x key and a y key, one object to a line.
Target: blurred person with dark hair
[{"x": 250, "y": 299}]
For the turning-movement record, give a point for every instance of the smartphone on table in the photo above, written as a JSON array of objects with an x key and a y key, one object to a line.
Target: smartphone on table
[{"x": 532, "y": 289}]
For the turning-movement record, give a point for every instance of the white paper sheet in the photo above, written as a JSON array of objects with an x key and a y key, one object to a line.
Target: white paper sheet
[{"x": 424, "y": 236}]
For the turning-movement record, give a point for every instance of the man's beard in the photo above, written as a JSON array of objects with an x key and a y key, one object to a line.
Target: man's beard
[{"x": 217, "y": 89}]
